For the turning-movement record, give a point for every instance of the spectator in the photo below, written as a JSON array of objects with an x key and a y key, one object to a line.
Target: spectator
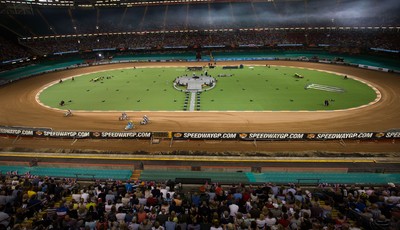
[
  {"x": 380, "y": 223},
  {"x": 157, "y": 226},
  {"x": 162, "y": 217},
  {"x": 90, "y": 223},
  {"x": 261, "y": 221},
  {"x": 216, "y": 225},
  {"x": 134, "y": 225},
  {"x": 270, "y": 220},
  {"x": 5, "y": 219},
  {"x": 145, "y": 225}
]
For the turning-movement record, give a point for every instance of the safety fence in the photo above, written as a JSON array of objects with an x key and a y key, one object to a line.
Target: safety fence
[{"x": 237, "y": 136}]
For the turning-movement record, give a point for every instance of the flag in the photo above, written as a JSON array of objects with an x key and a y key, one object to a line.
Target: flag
[{"x": 28, "y": 175}]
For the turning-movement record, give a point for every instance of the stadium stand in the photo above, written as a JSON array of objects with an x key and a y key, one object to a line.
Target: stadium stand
[
  {"x": 340, "y": 41},
  {"x": 78, "y": 173},
  {"x": 34, "y": 32},
  {"x": 66, "y": 198},
  {"x": 38, "y": 202}
]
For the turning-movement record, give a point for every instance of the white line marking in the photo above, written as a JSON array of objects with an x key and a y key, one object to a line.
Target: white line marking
[{"x": 377, "y": 99}]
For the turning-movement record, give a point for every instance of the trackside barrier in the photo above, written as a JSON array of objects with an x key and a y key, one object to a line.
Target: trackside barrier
[
  {"x": 39, "y": 133},
  {"x": 285, "y": 136},
  {"x": 373, "y": 68},
  {"x": 245, "y": 136}
]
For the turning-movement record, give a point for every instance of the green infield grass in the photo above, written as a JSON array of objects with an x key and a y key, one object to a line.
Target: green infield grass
[{"x": 253, "y": 88}]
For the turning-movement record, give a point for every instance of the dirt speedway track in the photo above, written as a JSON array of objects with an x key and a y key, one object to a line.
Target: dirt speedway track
[{"x": 18, "y": 107}]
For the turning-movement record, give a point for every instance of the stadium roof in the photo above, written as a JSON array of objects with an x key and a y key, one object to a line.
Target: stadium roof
[
  {"x": 91, "y": 3},
  {"x": 127, "y": 3}
]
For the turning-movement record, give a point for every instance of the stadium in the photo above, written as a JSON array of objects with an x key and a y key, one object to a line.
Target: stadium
[{"x": 237, "y": 107}]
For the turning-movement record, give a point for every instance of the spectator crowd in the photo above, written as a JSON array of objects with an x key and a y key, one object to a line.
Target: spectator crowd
[
  {"x": 49, "y": 203},
  {"x": 63, "y": 29},
  {"x": 333, "y": 40}
]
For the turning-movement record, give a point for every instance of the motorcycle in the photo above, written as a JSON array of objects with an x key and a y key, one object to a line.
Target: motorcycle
[
  {"x": 129, "y": 126},
  {"x": 68, "y": 113}
]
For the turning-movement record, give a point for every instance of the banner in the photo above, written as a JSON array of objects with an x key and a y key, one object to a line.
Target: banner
[
  {"x": 15, "y": 131},
  {"x": 394, "y": 134},
  {"x": 139, "y": 48},
  {"x": 62, "y": 134},
  {"x": 340, "y": 136},
  {"x": 14, "y": 60},
  {"x": 21, "y": 131},
  {"x": 289, "y": 44},
  {"x": 204, "y": 136},
  {"x": 251, "y": 45},
  {"x": 285, "y": 136},
  {"x": 104, "y": 49},
  {"x": 271, "y": 136},
  {"x": 386, "y": 50},
  {"x": 213, "y": 46},
  {"x": 175, "y": 47},
  {"x": 66, "y": 52},
  {"x": 244, "y": 136},
  {"x": 373, "y": 68},
  {"x": 121, "y": 135}
]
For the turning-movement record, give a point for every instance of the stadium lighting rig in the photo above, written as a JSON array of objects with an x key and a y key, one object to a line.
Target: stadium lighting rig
[
  {"x": 39, "y": 2},
  {"x": 100, "y": 3},
  {"x": 360, "y": 28},
  {"x": 115, "y": 3}
]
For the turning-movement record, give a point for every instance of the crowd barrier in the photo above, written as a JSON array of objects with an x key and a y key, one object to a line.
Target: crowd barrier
[{"x": 242, "y": 136}]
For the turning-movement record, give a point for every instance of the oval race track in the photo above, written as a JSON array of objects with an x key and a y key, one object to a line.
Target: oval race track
[{"x": 19, "y": 108}]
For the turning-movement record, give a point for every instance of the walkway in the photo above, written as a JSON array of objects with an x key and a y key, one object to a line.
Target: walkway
[{"x": 192, "y": 101}]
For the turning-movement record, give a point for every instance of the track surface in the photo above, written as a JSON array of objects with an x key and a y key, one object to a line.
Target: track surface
[{"x": 18, "y": 107}]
